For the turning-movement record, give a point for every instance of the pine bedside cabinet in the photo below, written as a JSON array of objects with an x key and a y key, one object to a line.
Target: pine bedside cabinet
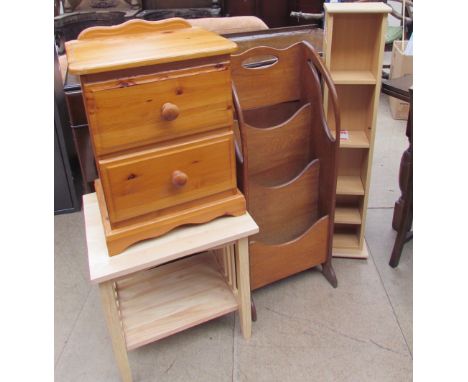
[
  {"x": 158, "y": 100},
  {"x": 155, "y": 288}
]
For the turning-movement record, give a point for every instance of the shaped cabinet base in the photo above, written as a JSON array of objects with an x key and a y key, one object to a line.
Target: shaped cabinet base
[{"x": 153, "y": 225}]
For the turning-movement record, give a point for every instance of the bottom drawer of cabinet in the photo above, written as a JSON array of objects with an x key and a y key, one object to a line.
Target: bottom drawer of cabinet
[{"x": 155, "y": 179}]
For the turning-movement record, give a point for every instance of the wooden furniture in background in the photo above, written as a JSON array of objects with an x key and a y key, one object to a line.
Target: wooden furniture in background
[
  {"x": 66, "y": 173},
  {"x": 402, "y": 88},
  {"x": 353, "y": 49},
  {"x": 287, "y": 159},
  {"x": 159, "y": 106},
  {"x": 275, "y": 13},
  {"x": 155, "y": 288}
]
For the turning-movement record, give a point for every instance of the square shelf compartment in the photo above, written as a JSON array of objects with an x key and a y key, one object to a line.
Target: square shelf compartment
[
  {"x": 352, "y": 172},
  {"x": 346, "y": 236},
  {"x": 355, "y": 48},
  {"x": 161, "y": 301},
  {"x": 356, "y": 106},
  {"x": 348, "y": 209}
]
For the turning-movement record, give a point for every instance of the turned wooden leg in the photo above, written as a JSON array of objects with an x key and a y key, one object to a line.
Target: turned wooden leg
[
  {"x": 403, "y": 214},
  {"x": 403, "y": 230},
  {"x": 329, "y": 273},
  {"x": 406, "y": 169},
  {"x": 243, "y": 286},
  {"x": 404, "y": 178},
  {"x": 111, "y": 314}
]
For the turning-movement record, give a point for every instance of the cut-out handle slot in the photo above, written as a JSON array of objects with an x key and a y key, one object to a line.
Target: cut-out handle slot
[{"x": 260, "y": 62}]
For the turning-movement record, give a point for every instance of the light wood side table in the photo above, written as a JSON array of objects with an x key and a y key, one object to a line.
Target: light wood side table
[{"x": 155, "y": 288}]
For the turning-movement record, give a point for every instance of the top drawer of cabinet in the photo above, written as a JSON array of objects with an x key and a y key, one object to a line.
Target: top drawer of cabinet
[{"x": 134, "y": 111}]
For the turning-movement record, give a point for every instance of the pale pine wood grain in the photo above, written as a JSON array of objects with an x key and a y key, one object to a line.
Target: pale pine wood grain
[
  {"x": 371, "y": 7},
  {"x": 351, "y": 253},
  {"x": 354, "y": 49},
  {"x": 173, "y": 297},
  {"x": 357, "y": 139},
  {"x": 347, "y": 215},
  {"x": 180, "y": 242},
  {"x": 243, "y": 285},
  {"x": 345, "y": 240},
  {"x": 114, "y": 325},
  {"x": 374, "y": 109},
  {"x": 353, "y": 77},
  {"x": 349, "y": 185}
]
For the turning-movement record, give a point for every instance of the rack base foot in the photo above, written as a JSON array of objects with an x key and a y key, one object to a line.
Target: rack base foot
[
  {"x": 329, "y": 273},
  {"x": 254, "y": 310}
]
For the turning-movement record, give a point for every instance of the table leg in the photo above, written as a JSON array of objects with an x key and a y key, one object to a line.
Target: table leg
[
  {"x": 111, "y": 313},
  {"x": 243, "y": 286}
]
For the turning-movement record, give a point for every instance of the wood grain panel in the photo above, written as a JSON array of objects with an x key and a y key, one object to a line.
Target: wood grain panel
[
  {"x": 168, "y": 299},
  {"x": 284, "y": 212},
  {"x": 279, "y": 153},
  {"x": 127, "y": 112},
  {"x": 143, "y": 183},
  {"x": 269, "y": 263},
  {"x": 279, "y": 82},
  {"x": 146, "y": 43},
  {"x": 355, "y": 45}
]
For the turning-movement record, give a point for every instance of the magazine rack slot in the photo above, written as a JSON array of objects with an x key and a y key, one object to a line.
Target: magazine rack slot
[
  {"x": 278, "y": 153},
  {"x": 283, "y": 218},
  {"x": 287, "y": 159},
  {"x": 277, "y": 261}
]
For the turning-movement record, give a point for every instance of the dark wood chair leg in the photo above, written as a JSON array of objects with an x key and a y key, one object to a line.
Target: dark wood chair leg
[
  {"x": 403, "y": 213},
  {"x": 329, "y": 273},
  {"x": 403, "y": 234},
  {"x": 254, "y": 310}
]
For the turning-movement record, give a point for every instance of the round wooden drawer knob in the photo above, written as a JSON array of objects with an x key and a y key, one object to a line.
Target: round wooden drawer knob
[
  {"x": 169, "y": 111},
  {"x": 179, "y": 178}
]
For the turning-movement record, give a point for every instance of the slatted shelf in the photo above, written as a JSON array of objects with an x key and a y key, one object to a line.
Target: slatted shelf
[{"x": 173, "y": 297}]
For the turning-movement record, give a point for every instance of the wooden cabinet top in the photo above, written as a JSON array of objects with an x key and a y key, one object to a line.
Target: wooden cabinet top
[
  {"x": 139, "y": 43},
  {"x": 357, "y": 8}
]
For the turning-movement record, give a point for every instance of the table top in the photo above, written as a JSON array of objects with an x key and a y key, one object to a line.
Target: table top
[
  {"x": 137, "y": 43},
  {"x": 178, "y": 243}
]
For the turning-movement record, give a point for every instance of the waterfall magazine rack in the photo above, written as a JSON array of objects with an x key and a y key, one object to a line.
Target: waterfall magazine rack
[
  {"x": 353, "y": 46},
  {"x": 159, "y": 105},
  {"x": 287, "y": 159}
]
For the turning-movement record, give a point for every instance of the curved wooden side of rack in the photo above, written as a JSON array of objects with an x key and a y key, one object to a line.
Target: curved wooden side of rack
[
  {"x": 285, "y": 211},
  {"x": 279, "y": 153},
  {"x": 274, "y": 262}
]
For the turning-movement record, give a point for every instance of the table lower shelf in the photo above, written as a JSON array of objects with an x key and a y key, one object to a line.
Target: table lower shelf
[{"x": 156, "y": 303}]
